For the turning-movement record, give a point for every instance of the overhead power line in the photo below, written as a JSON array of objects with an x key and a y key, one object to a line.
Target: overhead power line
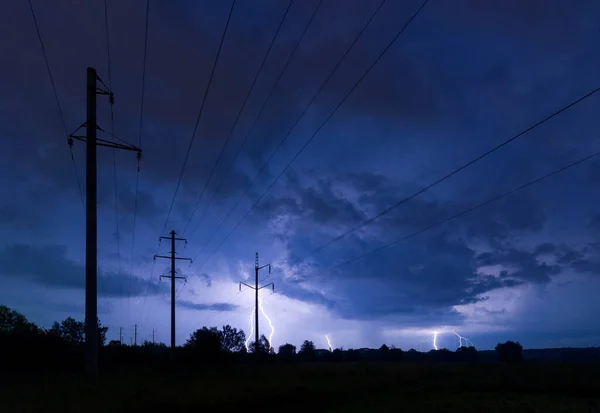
[
  {"x": 112, "y": 133},
  {"x": 438, "y": 181},
  {"x": 261, "y": 110},
  {"x": 458, "y": 215},
  {"x": 206, "y": 91},
  {"x": 320, "y": 273},
  {"x": 352, "y": 89},
  {"x": 58, "y": 106},
  {"x": 237, "y": 118},
  {"x": 140, "y": 132},
  {"x": 283, "y": 140}
]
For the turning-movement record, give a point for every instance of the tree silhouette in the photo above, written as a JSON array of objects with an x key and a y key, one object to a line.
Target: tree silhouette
[
  {"x": 466, "y": 353},
  {"x": 395, "y": 354},
  {"x": 150, "y": 344},
  {"x": 12, "y": 321},
  {"x": 73, "y": 331},
  {"x": 212, "y": 340},
  {"x": 307, "y": 350},
  {"x": 205, "y": 340},
  {"x": 263, "y": 346},
  {"x": 232, "y": 339},
  {"x": 69, "y": 330},
  {"x": 442, "y": 354},
  {"x": 287, "y": 351},
  {"x": 102, "y": 334},
  {"x": 337, "y": 354},
  {"x": 510, "y": 352}
]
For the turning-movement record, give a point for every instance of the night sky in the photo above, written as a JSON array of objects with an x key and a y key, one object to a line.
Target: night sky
[{"x": 463, "y": 77}]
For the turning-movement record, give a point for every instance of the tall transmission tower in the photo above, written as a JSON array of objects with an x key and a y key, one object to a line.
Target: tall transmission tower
[
  {"x": 256, "y": 288},
  {"x": 173, "y": 277},
  {"x": 91, "y": 215}
]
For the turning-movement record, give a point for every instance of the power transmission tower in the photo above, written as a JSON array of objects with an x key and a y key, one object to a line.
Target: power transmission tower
[
  {"x": 91, "y": 215},
  {"x": 173, "y": 258},
  {"x": 256, "y": 288},
  {"x": 135, "y": 334}
]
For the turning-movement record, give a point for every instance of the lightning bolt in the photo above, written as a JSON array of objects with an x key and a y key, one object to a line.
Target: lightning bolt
[
  {"x": 251, "y": 330},
  {"x": 262, "y": 310},
  {"x": 329, "y": 343},
  {"x": 462, "y": 340}
]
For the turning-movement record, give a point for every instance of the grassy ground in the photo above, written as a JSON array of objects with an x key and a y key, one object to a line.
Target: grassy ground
[{"x": 391, "y": 387}]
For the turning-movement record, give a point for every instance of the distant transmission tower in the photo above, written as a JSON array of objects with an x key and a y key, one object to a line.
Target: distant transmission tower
[
  {"x": 256, "y": 288},
  {"x": 173, "y": 277}
]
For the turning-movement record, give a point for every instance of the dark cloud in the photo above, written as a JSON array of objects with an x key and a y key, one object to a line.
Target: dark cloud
[
  {"x": 77, "y": 308},
  {"x": 180, "y": 59},
  {"x": 406, "y": 280},
  {"x": 207, "y": 279},
  {"x": 147, "y": 206},
  {"x": 460, "y": 78},
  {"x": 538, "y": 19},
  {"x": 423, "y": 273},
  {"x": 207, "y": 307},
  {"x": 526, "y": 265},
  {"x": 50, "y": 266},
  {"x": 346, "y": 201},
  {"x": 18, "y": 218},
  {"x": 530, "y": 268},
  {"x": 586, "y": 265}
]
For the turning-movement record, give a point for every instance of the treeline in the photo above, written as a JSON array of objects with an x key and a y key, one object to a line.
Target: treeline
[
  {"x": 215, "y": 343},
  {"x": 25, "y": 347}
]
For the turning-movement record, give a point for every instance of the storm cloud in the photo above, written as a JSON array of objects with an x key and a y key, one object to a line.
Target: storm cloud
[{"x": 462, "y": 78}]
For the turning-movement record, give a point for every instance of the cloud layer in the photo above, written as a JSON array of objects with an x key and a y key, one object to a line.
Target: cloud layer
[{"x": 461, "y": 79}]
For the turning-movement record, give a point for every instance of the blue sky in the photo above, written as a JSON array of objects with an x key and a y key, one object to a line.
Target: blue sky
[{"x": 463, "y": 77}]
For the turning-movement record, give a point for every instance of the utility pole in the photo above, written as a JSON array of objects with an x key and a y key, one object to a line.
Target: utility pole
[
  {"x": 256, "y": 288},
  {"x": 91, "y": 215},
  {"x": 121, "y": 335},
  {"x": 152, "y": 336},
  {"x": 173, "y": 258},
  {"x": 135, "y": 334}
]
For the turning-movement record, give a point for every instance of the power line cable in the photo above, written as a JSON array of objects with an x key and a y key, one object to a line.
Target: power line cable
[
  {"x": 438, "y": 181},
  {"x": 112, "y": 132},
  {"x": 237, "y": 118},
  {"x": 57, "y": 100},
  {"x": 269, "y": 95},
  {"x": 389, "y": 45},
  {"x": 210, "y": 78},
  {"x": 284, "y": 139},
  {"x": 140, "y": 130},
  {"x": 149, "y": 280},
  {"x": 450, "y": 218}
]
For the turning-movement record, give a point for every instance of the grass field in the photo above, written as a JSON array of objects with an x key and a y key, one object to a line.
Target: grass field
[{"x": 350, "y": 387}]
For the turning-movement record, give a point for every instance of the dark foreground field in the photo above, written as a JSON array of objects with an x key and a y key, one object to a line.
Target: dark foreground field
[{"x": 379, "y": 387}]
